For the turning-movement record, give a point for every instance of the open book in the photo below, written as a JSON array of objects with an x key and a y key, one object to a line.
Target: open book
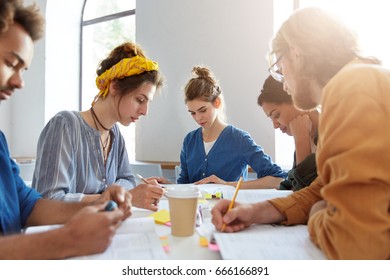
[{"x": 135, "y": 239}]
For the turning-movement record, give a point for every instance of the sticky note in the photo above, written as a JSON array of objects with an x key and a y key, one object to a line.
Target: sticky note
[
  {"x": 203, "y": 242},
  {"x": 164, "y": 240},
  {"x": 161, "y": 217},
  {"x": 165, "y": 243},
  {"x": 213, "y": 247},
  {"x": 166, "y": 248}
]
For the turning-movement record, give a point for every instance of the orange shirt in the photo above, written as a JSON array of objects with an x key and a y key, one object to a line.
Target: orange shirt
[{"x": 353, "y": 163}]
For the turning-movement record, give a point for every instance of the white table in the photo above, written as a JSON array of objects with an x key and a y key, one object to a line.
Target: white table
[
  {"x": 188, "y": 248},
  {"x": 181, "y": 248}
]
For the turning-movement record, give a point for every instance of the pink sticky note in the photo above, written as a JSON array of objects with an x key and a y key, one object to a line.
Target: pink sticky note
[
  {"x": 213, "y": 247},
  {"x": 166, "y": 248}
]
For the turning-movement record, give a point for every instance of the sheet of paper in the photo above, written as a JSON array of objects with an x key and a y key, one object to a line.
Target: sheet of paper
[
  {"x": 136, "y": 225},
  {"x": 135, "y": 239},
  {"x": 244, "y": 195},
  {"x": 131, "y": 246},
  {"x": 251, "y": 196},
  {"x": 268, "y": 242}
]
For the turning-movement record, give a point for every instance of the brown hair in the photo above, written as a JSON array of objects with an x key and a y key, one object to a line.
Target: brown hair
[
  {"x": 7, "y": 11},
  {"x": 273, "y": 92},
  {"x": 324, "y": 42},
  {"x": 204, "y": 86},
  {"x": 129, "y": 50},
  {"x": 31, "y": 19}
]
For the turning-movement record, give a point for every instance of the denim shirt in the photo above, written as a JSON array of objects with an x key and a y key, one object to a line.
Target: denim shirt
[
  {"x": 70, "y": 162},
  {"x": 228, "y": 159},
  {"x": 16, "y": 199}
]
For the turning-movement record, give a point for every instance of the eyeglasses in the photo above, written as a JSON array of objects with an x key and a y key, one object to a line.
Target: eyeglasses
[{"x": 274, "y": 69}]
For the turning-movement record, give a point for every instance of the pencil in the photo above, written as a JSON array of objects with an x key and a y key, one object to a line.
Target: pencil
[
  {"x": 143, "y": 179},
  {"x": 147, "y": 182},
  {"x": 233, "y": 200}
]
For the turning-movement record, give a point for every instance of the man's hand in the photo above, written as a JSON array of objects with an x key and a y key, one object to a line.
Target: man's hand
[
  {"x": 120, "y": 196},
  {"x": 91, "y": 230}
]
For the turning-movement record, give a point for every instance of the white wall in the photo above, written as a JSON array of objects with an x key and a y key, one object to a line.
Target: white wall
[
  {"x": 51, "y": 83},
  {"x": 231, "y": 37},
  {"x": 25, "y": 109}
]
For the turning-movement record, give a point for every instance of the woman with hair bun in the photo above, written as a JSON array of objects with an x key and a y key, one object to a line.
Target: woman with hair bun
[{"x": 218, "y": 152}]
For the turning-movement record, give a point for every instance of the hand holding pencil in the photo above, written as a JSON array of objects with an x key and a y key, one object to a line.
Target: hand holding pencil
[
  {"x": 231, "y": 205},
  {"x": 146, "y": 195}
]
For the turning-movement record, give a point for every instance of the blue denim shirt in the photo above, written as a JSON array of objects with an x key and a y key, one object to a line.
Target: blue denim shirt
[
  {"x": 228, "y": 159},
  {"x": 16, "y": 199},
  {"x": 70, "y": 163}
]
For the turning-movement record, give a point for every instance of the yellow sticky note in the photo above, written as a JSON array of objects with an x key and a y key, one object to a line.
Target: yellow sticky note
[
  {"x": 161, "y": 217},
  {"x": 203, "y": 242}
]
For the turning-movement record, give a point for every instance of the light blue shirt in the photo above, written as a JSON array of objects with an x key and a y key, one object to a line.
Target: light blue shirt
[
  {"x": 70, "y": 161},
  {"x": 228, "y": 159}
]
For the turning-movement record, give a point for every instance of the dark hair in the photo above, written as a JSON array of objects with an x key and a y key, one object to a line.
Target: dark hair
[
  {"x": 273, "y": 92},
  {"x": 7, "y": 11},
  {"x": 31, "y": 19},
  {"x": 128, "y": 50}
]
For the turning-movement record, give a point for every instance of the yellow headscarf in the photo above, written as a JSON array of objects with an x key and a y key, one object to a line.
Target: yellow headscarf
[{"x": 124, "y": 68}]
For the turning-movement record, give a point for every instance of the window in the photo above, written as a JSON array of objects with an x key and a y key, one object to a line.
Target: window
[
  {"x": 369, "y": 18},
  {"x": 105, "y": 24}
]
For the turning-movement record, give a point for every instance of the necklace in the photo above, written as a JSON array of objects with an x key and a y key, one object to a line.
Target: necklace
[
  {"x": 95, "y": 118},
  {"x": 105, "y": 144}
]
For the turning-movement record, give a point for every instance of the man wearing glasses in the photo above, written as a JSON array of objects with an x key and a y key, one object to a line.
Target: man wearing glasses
[{"x": 347, "y": 208}]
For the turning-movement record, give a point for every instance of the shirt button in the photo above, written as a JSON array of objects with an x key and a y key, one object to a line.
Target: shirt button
[
  {"x": 205, "y": 159},
  {"x": 203, "y": 174},
  {"x": 104, "y": 179}
]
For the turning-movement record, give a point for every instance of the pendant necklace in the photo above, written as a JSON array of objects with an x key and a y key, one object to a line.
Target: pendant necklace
[{"x": 105, "y": 144}]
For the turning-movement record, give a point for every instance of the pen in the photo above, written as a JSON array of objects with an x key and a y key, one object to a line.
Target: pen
[
  {"x": 233, "y": 200},
  {"x": 111, "y": 205}
]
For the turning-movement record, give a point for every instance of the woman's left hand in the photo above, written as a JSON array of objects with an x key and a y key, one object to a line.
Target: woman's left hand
[{"x": 211, "y": 179}]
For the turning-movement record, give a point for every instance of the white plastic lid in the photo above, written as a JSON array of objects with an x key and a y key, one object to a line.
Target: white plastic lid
[{"x": 182, "y": 191}]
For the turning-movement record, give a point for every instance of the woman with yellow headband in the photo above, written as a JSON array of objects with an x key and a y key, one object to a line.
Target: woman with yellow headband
[{"x": 80, "y": 154}]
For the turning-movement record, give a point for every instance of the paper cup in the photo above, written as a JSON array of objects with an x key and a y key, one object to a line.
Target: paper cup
[{"x": 183, "y": 201}]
